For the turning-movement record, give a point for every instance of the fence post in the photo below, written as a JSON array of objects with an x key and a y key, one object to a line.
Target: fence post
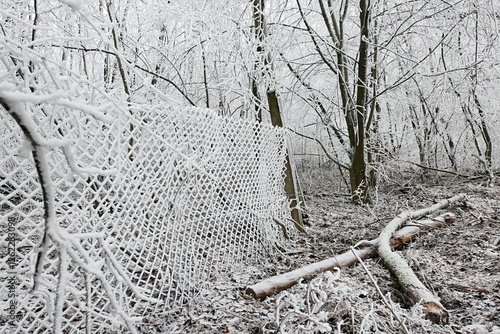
[{"x": 290, "y": 187}]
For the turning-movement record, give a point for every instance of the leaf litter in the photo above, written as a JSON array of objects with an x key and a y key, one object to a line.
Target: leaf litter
[{"x": 458, "y": 263}]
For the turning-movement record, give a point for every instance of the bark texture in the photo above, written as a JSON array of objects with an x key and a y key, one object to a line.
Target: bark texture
[
  {"x": 409, "y": 282},
  {"x": 284, "y": 281}
]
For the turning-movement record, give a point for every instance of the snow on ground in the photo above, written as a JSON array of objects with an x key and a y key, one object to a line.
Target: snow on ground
[{"x": 459, "y": 263}]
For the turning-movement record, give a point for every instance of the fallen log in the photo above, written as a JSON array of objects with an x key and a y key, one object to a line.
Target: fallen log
[
  {"x": 368, "y": 250},
  {"x": 418, "y": 293},
  {"x": 284, "y": 281}
]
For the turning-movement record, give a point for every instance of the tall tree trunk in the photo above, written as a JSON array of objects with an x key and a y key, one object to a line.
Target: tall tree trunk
[
  {"x": 357, "y": 171},
  {"x": 259, "y": 35},
  {"x": 485, "y": 134},
  {"x": 121, "y": 69}
]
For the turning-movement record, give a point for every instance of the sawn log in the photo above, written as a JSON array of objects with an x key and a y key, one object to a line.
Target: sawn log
[
  {"x": 418, "y": 293},
  {"x": 283, "y": 281}
]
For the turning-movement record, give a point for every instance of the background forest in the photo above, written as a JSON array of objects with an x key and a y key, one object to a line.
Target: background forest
[
  {"x": 374, "y": 94},
  {"x": 367, "y": 87}
]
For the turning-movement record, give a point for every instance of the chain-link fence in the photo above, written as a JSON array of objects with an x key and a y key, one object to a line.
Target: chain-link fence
[{"x": 147, "y": 210}]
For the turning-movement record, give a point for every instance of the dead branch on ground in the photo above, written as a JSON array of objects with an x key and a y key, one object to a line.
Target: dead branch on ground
[
  {"x": 409, "y": 282},
  {"x": 389, "y": 237}
]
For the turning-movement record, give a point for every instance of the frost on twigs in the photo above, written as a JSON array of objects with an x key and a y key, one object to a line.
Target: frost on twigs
[
  {"x": 50, "y": 116},
  {"x": 122, "y": 206},
  {"x": 331, "y": 303},
  {"x": 55, "y": 238},
  {"x": 338, "y": 303},
  {"x": 304, "y": 311},
  {"x": 73, "y": 4},
  {"x": 129, "y": 243}
]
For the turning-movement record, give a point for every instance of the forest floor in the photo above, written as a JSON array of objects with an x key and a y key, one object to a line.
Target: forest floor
[{"x": 459, "y": 263}]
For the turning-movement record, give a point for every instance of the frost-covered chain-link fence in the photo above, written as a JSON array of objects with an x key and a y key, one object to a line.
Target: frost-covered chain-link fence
[{"x": 148, "y": 210}]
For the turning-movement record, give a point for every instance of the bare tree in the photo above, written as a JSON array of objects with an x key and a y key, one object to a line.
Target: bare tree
[{"x": 353, "y": 66}]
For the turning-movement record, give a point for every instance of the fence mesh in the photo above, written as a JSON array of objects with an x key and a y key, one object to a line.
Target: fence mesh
[{"x": 148, "y": 209}]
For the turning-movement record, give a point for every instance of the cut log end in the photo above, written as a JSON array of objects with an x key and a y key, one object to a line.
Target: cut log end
[
  {"x": 270, "y": 287},
  {"x": 262, "y": 290},
  {"x": 251, "y": 292},
  {"x": 406, "y": 234},
  {"x": 435, "y": 313},
  {"x": 449, "y": 218}
]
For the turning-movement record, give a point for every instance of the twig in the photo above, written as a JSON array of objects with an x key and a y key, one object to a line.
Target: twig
[
  {"x": 283, "y": 228},
  {"x": 156, "y": 75},
  {"x": 338, "y": 163},
  {"x": 436, "y": 169}
]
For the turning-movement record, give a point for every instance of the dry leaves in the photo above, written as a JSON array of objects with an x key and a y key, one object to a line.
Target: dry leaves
[{"x": 459, "y": 263}]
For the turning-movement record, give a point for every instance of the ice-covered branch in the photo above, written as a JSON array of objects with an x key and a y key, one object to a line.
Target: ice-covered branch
[
  {"x": 56, "y": 98},
  {"x": 27, "y": 125},
  {"x": 68, "y": 245}
]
